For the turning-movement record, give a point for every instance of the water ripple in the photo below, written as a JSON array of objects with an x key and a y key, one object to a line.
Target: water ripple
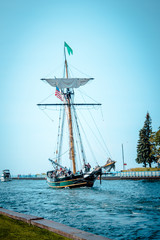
[{"x": 116, "y": 209}]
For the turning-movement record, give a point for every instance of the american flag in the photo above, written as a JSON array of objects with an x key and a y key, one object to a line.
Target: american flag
[{"x": 58, "y": 94}]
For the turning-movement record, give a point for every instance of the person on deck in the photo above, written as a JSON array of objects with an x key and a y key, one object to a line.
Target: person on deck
[{"x": 89, "y": 167}]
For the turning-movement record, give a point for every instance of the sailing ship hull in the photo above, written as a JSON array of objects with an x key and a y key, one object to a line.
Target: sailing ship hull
[{"x": 73, "y": 181}]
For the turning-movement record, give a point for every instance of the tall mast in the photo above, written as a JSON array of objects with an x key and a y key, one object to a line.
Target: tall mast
[
  {"x": 60, "y": 136},
  {"x": 70, "y": 121}
]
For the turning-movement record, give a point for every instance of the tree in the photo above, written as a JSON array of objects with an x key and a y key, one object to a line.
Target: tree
[
  {"x": 140, "y": 147},
  {"x": 144, "y": 146},
  {"x": 155, "y": 140}
]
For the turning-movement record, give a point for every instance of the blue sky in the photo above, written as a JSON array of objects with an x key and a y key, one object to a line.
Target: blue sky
[{"x": 116, "y": 42}]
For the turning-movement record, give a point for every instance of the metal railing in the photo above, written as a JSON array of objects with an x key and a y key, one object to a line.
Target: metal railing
[
  {"x": 29, "y": 176},
  {"x": 134, "y": 174}
]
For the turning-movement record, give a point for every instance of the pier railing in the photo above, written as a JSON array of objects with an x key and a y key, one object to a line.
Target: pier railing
[
  {"x": 29, "y": 176},
  {"x": 136, "y": 174}
]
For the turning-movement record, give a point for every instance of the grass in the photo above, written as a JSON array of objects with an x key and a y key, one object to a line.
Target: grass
[
  {"x": 11, "y": 229},
  {"x": 142, "y": 169}
]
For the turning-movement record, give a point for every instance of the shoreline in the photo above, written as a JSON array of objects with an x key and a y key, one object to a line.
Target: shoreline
[
  {"x": 130, "y": 178},
  {"x": 59, "y": 228},
  {"x": 103, "y": 178},
  {"x": 127, "y": 175}
]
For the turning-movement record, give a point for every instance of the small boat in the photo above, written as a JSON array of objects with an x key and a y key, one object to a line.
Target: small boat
[
  {"x": 6, "y": 176},
  {"x": 62, "y": 176}
]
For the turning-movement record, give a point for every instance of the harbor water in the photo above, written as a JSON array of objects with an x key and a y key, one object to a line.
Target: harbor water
[{"x": 116, "y": 209}]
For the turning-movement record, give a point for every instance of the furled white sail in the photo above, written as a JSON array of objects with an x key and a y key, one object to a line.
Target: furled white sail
[{"x": 67, "y": 82}]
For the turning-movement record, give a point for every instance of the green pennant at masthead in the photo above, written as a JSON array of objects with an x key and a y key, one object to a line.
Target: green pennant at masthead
[{"x": 68, "y": 48}]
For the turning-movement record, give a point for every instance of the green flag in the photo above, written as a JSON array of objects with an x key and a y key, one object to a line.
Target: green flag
[{"x": 68, "y": 48}]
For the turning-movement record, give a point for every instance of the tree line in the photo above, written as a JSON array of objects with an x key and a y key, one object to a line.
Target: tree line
[{"x": 148, "y": 147}]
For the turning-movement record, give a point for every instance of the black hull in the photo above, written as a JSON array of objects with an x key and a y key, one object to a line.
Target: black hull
[{"x": 74, "y": 181}]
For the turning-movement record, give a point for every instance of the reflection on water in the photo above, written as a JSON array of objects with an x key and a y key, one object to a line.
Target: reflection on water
[{"x": 115, "y": 209}]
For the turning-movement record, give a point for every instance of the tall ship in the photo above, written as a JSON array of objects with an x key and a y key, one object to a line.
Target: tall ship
[
  {"x": 71, "y": 175},
  {"x": 6, "y": 176}
]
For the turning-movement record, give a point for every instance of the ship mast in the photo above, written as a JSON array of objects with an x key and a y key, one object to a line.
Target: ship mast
[
  {"x": 70, "y": 120},
  {"x": 68, "y": 84}
]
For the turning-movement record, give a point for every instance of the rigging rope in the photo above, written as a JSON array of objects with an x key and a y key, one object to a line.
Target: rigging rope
[
  {"x": 100, "y": 135},
  {"x": 47, "y": 115},
  {"x": 78, "y": 163},
  {"x": 99, "y": 132},
  {"x": 78, "y": 131},
  {"x": 88, "y": 142},
  {"x": 62, "y": 131},
  {"x": 86, "y": 95},
  {"x": 46, "y": 98},
  {"x": 58, "y": 137},
  {"x": 54, "y": 70},
  {"x": 80, "y": 71},
  {"x": 61, "y": 154}
]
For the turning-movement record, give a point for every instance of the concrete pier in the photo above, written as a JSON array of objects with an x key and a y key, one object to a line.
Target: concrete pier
[
  {"x": 129, "y": 178},
  {"x": 52, "y": 226},
  {"x": 132, "y": 175},
  {"x": 28, "y": 178},
  {"x": 128, "y": 175}
]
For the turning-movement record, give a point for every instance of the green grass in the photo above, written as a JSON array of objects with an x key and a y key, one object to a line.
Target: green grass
[{"x": 11, "y": 229}]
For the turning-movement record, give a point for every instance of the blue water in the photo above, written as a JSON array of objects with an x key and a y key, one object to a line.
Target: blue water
[{"x": 116, "y": 209}]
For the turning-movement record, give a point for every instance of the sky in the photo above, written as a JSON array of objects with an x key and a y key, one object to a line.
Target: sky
[{"x": 114, "y": 41}]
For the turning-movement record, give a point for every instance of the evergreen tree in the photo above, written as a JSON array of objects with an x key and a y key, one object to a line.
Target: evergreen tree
[
  {"x": 144, "y": 146},
  {"x": 140, "y": 148},
  {"x": 155, "y": 140}
]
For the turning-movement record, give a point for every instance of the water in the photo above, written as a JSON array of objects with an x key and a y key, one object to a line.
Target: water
[{"x": 116, "y": 209}]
